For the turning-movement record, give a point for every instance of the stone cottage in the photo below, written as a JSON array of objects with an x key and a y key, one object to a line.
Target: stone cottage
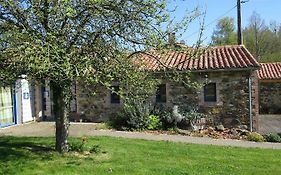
[
  {"x": 228, "y": 73},
  {"x": 270, "y": 88},
  {"x": 229, "y": 94}
]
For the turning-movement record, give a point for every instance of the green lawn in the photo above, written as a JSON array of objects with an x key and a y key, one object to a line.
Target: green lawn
[{"x": 20, "y": 155}]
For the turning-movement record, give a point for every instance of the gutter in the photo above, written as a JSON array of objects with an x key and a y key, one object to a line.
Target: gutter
[
  {"x": 209, "y": 70},
  {"x": 226, "y": 69},
  {"x": 270, "y": 80}
]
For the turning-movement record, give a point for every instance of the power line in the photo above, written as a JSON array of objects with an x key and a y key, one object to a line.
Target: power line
[{"x": 218, "y": 18}]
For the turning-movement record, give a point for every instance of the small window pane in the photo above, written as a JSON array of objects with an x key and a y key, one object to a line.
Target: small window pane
[
  {"x": 210, "y": 92},
  {"x": 161, "y": 96},
  {"x": 114, "y": 97}
]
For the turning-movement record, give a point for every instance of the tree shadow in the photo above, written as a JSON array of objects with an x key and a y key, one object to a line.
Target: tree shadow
[{"x": 19, "y": 148}]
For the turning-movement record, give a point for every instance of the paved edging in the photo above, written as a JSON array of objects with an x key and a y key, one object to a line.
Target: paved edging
[
  {"x": 188, "y": 139},
  {"x": 47, "y": 129}
]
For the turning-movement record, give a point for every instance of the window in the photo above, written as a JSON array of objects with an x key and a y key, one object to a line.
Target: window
[
  {"x": 210, "y": 92},
  {"x": 44, "y": 102},
  {"x": 114, "y": 96},
  {"x": 161, "y": 96},
  {"x": 6, "y": 106}
]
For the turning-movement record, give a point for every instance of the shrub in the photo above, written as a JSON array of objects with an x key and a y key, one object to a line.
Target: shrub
[
  {"x": 177, "y": 116},
  {"x": 119, "y": 121},
  {"x": 165, "y": 116},
  {"x": 256, "y": 137},
  {"x": 154, "y": 123},
  {"x": 168, "y": 116},
  {"x": 272, "y": 137},
  {"x": 138, "y": 114},
  {"x": 133, "y": 115}
]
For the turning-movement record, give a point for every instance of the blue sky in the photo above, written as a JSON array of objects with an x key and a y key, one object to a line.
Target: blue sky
[{"x": 269, "y": 10}]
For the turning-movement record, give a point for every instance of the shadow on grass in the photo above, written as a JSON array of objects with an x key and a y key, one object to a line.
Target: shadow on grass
[{"x": 18, "y": 148}]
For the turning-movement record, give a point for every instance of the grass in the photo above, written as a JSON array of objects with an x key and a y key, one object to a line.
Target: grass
[{"x": 26, "y": 155}]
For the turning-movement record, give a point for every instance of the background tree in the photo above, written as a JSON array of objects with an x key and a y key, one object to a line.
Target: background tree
[
  {"x": 262, "y": 40},
  {"x": 255, "y": 36},
  {"x": 225, "y": 32},
  {"x": 75, "y": 41}
]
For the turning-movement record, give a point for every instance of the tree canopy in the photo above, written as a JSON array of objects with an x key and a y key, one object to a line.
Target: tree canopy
[
  {"x": 66, "y": 41},
  {"x": 263, "y": 41},
  {"x": 70, "y": 39},
  {"x": 224, "y": 32}
]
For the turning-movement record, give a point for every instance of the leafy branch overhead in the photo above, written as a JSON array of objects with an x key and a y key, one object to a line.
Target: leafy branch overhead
[
  {"x": 70, "y": 39},
  {"x": 84, "y": 41},
  {"x": 74, "y": 40}
]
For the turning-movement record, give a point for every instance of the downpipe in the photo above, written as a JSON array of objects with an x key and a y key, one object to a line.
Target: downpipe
[{"x": 250, "y": 103}]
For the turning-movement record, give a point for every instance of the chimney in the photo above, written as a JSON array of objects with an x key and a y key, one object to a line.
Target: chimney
[
  {"x": 182, "y": 42},
  {"x": 172, "y": 38}
]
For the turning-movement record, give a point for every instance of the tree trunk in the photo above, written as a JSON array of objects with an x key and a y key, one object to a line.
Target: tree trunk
[{"x": 61, "y": 100}]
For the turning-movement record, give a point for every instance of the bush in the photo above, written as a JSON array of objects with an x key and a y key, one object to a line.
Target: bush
[
  {"x": 134, "y": 115},
  {"x": 119, "y": 121},
  {"x": 138, "y": 114},
  {"x": 272, "y": 137},
  {"x": 256, "y": 137},
  {"x": 165, "y": 115},
  {"x": 177, "y": 116},
  {"x": 154, "y": 123}
]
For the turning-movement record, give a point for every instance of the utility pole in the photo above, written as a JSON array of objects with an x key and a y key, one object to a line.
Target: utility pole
[
  {"x": 239, "y": 25},
  {"x": 239, "y": 30}
]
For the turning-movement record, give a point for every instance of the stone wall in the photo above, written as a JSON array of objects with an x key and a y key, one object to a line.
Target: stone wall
[
  {"x": 270, "y": 97},
  {"x": 231, "y": 107},
  {"x": 38, "y": 102},
  {"x": 94, "y": 106}
]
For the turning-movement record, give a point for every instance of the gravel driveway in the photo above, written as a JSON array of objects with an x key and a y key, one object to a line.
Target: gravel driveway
[
  {"x": 47, "y": 129},
  {"x": 270, "y": 123}
]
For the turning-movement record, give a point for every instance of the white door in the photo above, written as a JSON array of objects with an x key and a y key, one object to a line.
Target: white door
[{"x": 26, "y": 102}]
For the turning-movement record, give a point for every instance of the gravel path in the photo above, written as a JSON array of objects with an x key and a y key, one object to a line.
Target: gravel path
[{"x": 47, "y": 129}]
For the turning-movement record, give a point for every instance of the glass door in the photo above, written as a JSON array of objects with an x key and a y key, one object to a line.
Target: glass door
[{"x": 6, "y": 107}]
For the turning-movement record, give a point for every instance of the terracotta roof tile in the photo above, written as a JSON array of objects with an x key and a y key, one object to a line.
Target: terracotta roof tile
[
  {"x": 270, "y": 71},
  {"x": 203, "y": 59}
]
